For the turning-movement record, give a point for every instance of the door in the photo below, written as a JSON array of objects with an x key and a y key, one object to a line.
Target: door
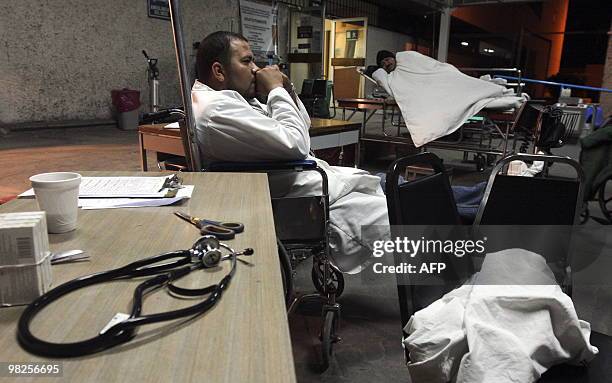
[
  {"x": 347, "y": 52},
  {"x": 305, "y": 54}
]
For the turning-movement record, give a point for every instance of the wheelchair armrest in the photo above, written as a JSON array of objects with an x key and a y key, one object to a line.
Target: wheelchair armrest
[
  {"x": 270, "y": 166},
  {"x": 261, "y": 166}
]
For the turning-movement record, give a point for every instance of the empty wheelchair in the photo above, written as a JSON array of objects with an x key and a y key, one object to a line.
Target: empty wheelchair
[{"x": 509, "y": 200}]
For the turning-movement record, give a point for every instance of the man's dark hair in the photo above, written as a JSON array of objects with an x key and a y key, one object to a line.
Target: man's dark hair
[
  {"x": 381, "y": 55},
  {"x": 214, "y": 47}
]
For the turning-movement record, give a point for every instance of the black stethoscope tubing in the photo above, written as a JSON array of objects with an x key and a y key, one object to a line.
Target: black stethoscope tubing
[{"x": 124, "y": 331}]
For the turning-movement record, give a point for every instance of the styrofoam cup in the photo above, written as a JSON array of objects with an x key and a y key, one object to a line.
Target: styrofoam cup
[{"x": 58, "y": 195}]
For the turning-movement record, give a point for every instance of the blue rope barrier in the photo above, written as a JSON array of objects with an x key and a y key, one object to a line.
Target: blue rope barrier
[{"x": 561, "y": 84}]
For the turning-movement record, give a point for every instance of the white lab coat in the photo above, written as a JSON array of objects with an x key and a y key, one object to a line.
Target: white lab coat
[{"x": 230, "y": 128}]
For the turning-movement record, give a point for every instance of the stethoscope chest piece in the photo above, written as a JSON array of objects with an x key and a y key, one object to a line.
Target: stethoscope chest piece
[{"x": 207, "y": 251}]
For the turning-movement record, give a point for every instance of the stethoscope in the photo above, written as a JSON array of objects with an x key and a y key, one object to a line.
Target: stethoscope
[{"x": 205, "y": 253}]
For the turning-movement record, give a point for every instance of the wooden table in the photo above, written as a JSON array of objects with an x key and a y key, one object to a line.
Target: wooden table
[
  {"x": 244, "y": 338},
  {"x": 157, "y": 139},
  {"x": 324, "y": 133},
  {"x": 367, "y": 106}
]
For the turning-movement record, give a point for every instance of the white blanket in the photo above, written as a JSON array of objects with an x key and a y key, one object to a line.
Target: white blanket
[
  {"x": 509, "y": 332},
  {"x": 436, "y": 98}
]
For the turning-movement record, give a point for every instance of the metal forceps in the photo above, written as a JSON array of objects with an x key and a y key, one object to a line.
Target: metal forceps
[{"x": 221, "y": 230}]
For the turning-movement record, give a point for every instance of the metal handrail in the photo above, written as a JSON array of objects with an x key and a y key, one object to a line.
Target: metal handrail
[
  {"x": 519, "y": 85},
  {"x": 561, "y": 84}
]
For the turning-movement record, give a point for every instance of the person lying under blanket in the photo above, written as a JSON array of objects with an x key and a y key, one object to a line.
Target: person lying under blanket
[{"x": 436, "y": 98}]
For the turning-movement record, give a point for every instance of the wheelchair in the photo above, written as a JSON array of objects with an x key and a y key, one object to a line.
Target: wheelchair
[
  {"x": 551, "y": 127},
  {"x": 596, "y": 160},
  {"x": 300, "y": 239},
  {"x": 508, "y": 200}
]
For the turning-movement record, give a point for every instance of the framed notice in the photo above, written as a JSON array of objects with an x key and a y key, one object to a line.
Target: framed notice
[
  {"x": 258, "y": 22},
  {"x": 159, "y": 9}
]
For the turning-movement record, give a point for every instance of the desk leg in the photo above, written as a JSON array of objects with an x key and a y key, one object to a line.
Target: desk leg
[
  {"x": 359, "y": 150},
  {"x": 143, "y": 154}
]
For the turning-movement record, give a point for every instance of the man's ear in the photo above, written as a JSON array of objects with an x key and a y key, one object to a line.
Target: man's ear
[{"x": 218, "y": 72}]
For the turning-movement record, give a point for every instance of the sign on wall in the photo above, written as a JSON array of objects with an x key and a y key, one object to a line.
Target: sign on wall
[
  {"x": 258, "y": 22},
  {"x": 304, "y": 32},
  {"x": 159, "y": 9}
]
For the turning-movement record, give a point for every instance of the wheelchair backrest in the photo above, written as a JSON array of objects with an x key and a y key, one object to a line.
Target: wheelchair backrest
[
  {"x": 541, "y": 211},
  {"x": 426, "y": 200},
  {"x": 299, "y": 219},
  {"x": 531, "y": 201}
]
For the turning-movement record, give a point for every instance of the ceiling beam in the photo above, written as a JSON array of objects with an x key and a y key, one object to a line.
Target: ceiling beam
[
  {"x": 464, "y": 3},
  {"x": 434, "y": 4}
]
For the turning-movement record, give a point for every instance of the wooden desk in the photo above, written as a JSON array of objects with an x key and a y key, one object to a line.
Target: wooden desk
[
  {"x": 244, "y": 338},
  {"x": 324, "y": 133},
  {"x": 368, "y": 106},
  {"x": 157, "y": 139},
  {"x": 329, "y": 133}
]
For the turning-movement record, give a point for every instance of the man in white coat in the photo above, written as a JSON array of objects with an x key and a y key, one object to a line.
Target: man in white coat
[{"x": 232, "y": 125}]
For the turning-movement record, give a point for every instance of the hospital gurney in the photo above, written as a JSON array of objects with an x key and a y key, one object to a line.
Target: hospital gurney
[{"x": 486, "y": 134}]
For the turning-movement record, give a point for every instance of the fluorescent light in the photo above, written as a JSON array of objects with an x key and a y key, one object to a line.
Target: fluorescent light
[
  {"x": 464, "y": 43},
  {"x": 491, "y": 51}
]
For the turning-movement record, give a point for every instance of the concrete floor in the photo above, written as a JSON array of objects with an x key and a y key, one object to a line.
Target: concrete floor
[
  {"x": 25, "y": 153},
  {"x": 371, "y": 348}
]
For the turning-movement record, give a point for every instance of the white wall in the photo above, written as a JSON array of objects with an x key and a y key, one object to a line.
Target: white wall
[
  {"x": 60, "y": 59},
  {"x": 381, "y": 39}
]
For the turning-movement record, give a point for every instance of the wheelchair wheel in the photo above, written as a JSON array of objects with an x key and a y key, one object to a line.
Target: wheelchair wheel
[
  {"x": 491, "y": 159},
  {"x": 605, "y": 198},
  {"x": 286, "y": 271},
  {"x": 335, "y": 282},
  {"x": 328, "y": 337}
]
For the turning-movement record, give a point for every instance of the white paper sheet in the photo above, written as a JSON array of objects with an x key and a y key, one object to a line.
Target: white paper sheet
[
  {"x": 118, "y": 187},
  {"x": 116, "y": 203}
]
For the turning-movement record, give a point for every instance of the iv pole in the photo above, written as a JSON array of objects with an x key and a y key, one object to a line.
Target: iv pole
[{"x": 188, "y": 129}]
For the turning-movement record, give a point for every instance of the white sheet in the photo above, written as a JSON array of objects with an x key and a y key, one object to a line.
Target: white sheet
[
  {"x": 498, "y": 333},
  {"x": 436, "y": 98}
]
